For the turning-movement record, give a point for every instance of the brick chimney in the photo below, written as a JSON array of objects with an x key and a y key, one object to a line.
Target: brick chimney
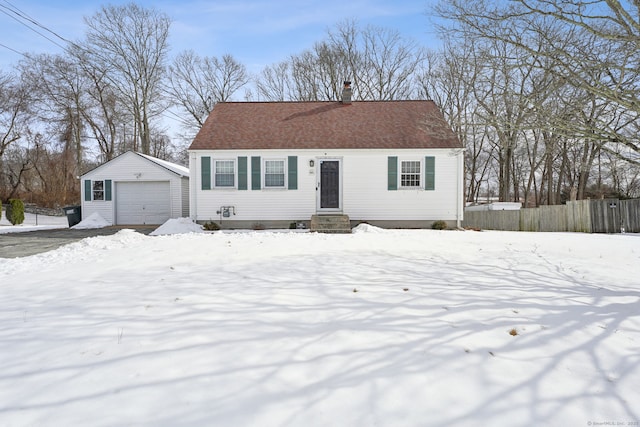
[{"x": 346, "y": 93}]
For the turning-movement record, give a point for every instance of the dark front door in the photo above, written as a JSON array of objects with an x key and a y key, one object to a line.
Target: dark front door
[{"x": 329, "y": 184}]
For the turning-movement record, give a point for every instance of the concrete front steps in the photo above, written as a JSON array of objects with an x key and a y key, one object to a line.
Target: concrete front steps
[{"x": 330, "y": 224}]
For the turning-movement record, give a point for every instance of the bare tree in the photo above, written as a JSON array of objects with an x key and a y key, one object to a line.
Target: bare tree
[
  {"x": 597, "y": 51},
  {"x": 568, "y": 89},
  {"x": 316, "y": 74},
  {"x": 197, "y": 83},
  {"x": 448, "y": 78},
  {"x": 276, "y": 82},
  {"x": 58, "y": 86},
  {"x": 501, "y": 89},
  {"x": 381, "y": 64},
  {"x": 389, "y": 65},
  {"x": 103, "y": 108},
  {"x": 14, "y": 106},
  {"x": 130, "y": 43}
]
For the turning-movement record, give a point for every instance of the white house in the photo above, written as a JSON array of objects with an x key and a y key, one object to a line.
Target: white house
[
  {"x": 135, "y": 189},
  {"x": 271, "y": 164}
]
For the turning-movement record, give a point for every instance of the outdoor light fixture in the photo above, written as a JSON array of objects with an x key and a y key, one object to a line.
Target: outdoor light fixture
[{"x": 311, "y": 163}]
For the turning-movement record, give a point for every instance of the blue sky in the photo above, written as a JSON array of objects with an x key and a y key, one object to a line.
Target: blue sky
[{"x": 256, "y": 32}]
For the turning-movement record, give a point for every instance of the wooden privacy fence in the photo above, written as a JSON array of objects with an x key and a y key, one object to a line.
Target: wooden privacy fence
[{"x": 586, "y": 216}]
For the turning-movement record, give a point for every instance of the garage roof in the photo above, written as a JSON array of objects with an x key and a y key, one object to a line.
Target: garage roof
[
  {"x": 178, "y": 169},
  {"x": 172, "y": 167}
]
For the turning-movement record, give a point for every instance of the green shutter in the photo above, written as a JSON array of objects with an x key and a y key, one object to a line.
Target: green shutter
[
  {"x": 255, "y": 173},
  {"x": 242, "y": 173},
  {"x": 206, "y": 172},
  {"x": 392, "y": 171},
  {"x": 293, "y": 172},
  {"x": 87, "y": 190},
  {"x": 107, "y": 189},
  {"x": 430, "y": 173}
]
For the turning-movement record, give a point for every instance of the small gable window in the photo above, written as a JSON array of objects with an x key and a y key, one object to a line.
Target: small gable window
[
  {"x": 274, "y": 173},
  {"x": 410, "y": 174},
  {"x": 224, "y": 173}
]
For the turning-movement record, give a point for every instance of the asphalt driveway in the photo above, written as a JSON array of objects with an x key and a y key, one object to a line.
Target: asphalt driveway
[{"x": 15, "y": 245}]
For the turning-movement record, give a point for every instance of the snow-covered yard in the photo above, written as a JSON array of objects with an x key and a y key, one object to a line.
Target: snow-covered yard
[
  {"x": 32, "y": 222},
  {"x": 378, "y": 328}
]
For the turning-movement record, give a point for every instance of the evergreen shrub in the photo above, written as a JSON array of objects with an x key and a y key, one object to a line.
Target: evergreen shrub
[
  {"x": 439, "y": 225},
  {"x": 211, "y": 226},
  {"x": 15, "y": 211}
]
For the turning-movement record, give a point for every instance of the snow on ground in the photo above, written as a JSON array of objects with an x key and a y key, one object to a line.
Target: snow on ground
[
  {"x": 33, "y": 222},
  {"x": 376, "y": 328},
  {"x": 177, "y": 226},
  {"x": 92, "y": 221}
]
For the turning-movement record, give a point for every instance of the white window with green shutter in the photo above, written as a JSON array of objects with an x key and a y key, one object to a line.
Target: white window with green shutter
[
  {"x": 97, "y": 190},
  {"x": 411, "y": 173},
  {"x": 250, "y": 173},
  {"x": 274, "y": 173},
  {"x": 224, "y": 173}
]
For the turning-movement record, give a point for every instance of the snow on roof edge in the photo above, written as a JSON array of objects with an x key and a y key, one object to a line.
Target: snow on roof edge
[{"x": 173, "y": 167}]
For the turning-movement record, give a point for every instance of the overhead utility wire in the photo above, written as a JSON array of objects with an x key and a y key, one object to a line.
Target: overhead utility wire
[
  {"x": 17, "y": 15},
  {"x": 12, "y": 49},
  {"x": 32, "y": 20}
]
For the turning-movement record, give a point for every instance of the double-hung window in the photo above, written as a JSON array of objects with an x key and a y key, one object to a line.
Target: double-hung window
[
  {"x": 97, "y": 190},
  {"x": 410, "y": 174},
  {"x": 224, "y": 173},
  {"x": 416, "y": 174},
  {"x": 274, "y": 173}
]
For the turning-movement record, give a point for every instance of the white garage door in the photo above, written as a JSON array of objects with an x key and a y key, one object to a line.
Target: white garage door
[{"x": 142, "y": 202}]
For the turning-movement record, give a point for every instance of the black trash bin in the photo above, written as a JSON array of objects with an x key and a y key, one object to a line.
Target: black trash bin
[{"x": 74, "y": 215}]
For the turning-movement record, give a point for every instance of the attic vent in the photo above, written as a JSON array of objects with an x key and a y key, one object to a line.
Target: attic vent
[{"x": 346, "y": 93}]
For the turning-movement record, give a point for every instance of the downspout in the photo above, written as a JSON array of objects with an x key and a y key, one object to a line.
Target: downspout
[
  {"x": 193, "y": 187},
  {"x": 460, "y": 197}
]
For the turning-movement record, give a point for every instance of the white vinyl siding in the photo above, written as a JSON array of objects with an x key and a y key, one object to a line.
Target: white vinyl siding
[
  {"x": 184, "y": 193},
  {"x": 365, "y": 192}
]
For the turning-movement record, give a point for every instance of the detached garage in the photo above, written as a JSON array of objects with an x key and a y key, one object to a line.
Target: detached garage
[{"x": 136, "y": 189}]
